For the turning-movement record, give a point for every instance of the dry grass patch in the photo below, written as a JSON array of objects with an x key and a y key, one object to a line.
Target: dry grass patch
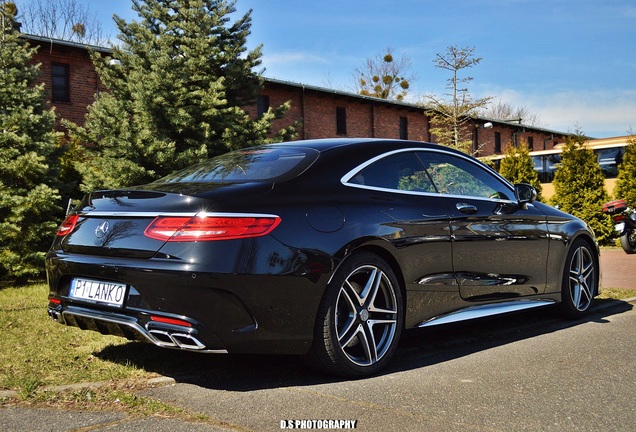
[{"x": 36, "y": 351}]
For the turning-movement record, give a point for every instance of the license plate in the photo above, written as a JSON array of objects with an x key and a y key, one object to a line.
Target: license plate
[{"x": 109, "y": 293}]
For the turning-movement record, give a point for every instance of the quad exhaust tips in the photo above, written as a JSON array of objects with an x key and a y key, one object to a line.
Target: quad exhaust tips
[
  {"x": 170, "y": 339},
  {"x": 128, "y": 327}
]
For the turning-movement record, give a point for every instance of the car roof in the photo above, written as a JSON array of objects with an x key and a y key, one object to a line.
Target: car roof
[{"x": 326, "y": 144}]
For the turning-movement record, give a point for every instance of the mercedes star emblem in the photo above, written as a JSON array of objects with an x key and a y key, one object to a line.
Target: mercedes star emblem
[{"x": 102, "y": 229}]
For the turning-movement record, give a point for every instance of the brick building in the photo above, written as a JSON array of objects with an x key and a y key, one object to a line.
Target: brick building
[
  {"x": 69, "y": 77},
  {"x": 71, "y": 84}
]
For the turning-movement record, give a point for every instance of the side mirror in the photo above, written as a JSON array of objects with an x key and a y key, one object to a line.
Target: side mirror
[{"x": 525, "y": 194}]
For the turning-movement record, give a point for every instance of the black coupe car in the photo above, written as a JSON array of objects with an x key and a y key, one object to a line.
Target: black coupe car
[{"x": 323, "y": 248}]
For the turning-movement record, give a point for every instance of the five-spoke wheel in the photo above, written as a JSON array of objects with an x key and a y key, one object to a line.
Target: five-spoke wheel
[
  {"x": 360, "y": 318},
  {"x": 580, "y": 281}
]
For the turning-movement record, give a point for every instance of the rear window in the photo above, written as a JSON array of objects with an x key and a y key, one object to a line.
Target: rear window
[{"x": 247, "y": 165}]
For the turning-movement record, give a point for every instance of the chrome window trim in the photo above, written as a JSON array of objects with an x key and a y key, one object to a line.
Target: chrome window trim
[
  {"x": 349, "y": 175},
  {"x": 431, "y": 194}
]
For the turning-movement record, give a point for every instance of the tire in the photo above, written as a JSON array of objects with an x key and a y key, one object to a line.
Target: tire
[
  {"x": 359, "y": 320},
  {"x": 628, "y": 242},
  {"x": 580, "y": 280}
]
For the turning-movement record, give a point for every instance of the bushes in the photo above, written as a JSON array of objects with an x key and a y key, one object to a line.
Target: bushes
[
  {"x": 29, "y": 155},
  {"x": 626, "y": 182},
  {"x": 579, "y": 187},
  {"x": 518, "y": 167}
]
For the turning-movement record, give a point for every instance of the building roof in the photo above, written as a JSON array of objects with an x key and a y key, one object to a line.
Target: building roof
[
  {"x": 405, "y": 105},
  {"x": 55, "y": 41}
]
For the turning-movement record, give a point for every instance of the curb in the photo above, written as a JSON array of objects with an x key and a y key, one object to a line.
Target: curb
[{"x": 161, "y": 381}]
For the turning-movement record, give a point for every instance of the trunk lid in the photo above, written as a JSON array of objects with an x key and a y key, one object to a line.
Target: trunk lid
[{"x": 112, "y": 222}]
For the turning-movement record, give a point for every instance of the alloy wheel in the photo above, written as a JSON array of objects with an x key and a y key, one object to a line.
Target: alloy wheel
[
  {"x": 582, "y": 278},
  {"x": 366, "y": 315}
]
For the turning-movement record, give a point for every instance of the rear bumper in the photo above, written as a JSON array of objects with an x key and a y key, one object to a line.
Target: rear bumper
[
  {"x": 227, "y": 312},
  {"x": 162, "y": 335}
]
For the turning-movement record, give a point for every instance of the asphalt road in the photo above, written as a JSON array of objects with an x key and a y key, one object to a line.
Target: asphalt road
[{"x": 525, "y": 372}]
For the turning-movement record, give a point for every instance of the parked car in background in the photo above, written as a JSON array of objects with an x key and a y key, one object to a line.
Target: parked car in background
[{"x": 326, "y": 248}]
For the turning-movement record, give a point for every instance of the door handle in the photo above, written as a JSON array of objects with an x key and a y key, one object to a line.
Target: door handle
[{"x": 466, "y": 208}]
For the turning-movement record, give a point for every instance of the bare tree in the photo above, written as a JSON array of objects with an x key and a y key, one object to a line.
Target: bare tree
[
  {"x": 507, "y": 112},
  {"x": 384, "y": 76},
  {"x": 60, "y": 19},
  {"x": 451, "y": 115}
]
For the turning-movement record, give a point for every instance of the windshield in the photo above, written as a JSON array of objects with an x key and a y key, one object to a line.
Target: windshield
[{"x": 247, "y": 165}]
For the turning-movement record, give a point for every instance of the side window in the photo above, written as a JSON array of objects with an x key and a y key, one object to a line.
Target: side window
[
  {"x": 610, "y": 159},
  {"x": 341, "y": 121},
  {"x": 454, "y": 175},
  {"x": 497, "y": 142},
  {"x": 262, "y": 105},
  {"x": 404, "y": 128},
  {"x": 401, "y": 171},
  {"x": 60, "y": 88}
]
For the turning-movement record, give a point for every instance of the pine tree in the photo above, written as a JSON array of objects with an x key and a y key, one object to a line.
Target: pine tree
[
  {"x": 518, "y": 167},
  {"x": 28, "y": 151},
  {"x": 579, "y": 187},
  {"x": 626, "y": 182},
  {"x": 175, "y": 86}
]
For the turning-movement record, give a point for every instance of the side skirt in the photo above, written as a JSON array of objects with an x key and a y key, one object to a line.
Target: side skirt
[{"x": 482, "y": 311}]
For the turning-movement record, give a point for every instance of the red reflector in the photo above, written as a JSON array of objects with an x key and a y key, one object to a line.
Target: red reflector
[
  {"x": 55, "y": 301},
  {"x": 68, "y": 225},
  {"x": 170, "y": 321},
  {"x": 206, "y": 228},
  {"x": 618, "y": 218}
]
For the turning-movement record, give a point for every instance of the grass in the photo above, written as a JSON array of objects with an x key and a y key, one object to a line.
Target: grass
[
  {"x": 617, "y": 293},
  {"x": 37, "y": 354},
  {"x": 117, "y": 397},
  {"x": 36, "y": 351}
]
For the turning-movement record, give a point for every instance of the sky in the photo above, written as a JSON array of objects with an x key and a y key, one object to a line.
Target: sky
[{"x": 570, "y": 62}]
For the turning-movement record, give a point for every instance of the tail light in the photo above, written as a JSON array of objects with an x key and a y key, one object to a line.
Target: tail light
[
  {"x": 173, "y": 321},
  {"x": 208, "y": 228},
  {"x": 618, "y": 218},
  {"x": 68, "y": 225}
]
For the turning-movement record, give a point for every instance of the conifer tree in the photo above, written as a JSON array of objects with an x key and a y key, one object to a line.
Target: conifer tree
[
  {"x": 175, "y": 85},
  {"x": 518, "y": 167},
  {"x": 579, "y": 187},
  {"x": 28, "y": 151},
  {"x": 626, "y": 182}
]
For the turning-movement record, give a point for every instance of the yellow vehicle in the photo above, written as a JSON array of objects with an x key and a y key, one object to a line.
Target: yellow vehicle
[{"x": 609, "y": 152}]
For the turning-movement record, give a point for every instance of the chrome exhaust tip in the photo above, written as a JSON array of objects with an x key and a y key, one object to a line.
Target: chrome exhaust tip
[
  {"x": 176, "y": 340},
  {"x": 54, "y": 315},
  {"x": 121, "y": 325}
]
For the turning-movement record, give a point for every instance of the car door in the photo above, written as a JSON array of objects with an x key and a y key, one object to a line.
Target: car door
[
  {"x": 499, "y": 248},
  {"x": 416, "y": 216}
]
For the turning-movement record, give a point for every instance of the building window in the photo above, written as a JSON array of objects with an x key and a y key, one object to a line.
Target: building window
[
  {"x": 60, "y": 79},
  {"x": 262, "y": 105},
  {"x": 530, "y": 143},
  {"x": 404, "y": 128},
  {"x": 341, "y": 121},
  {"x": 497, "y": 142}
]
